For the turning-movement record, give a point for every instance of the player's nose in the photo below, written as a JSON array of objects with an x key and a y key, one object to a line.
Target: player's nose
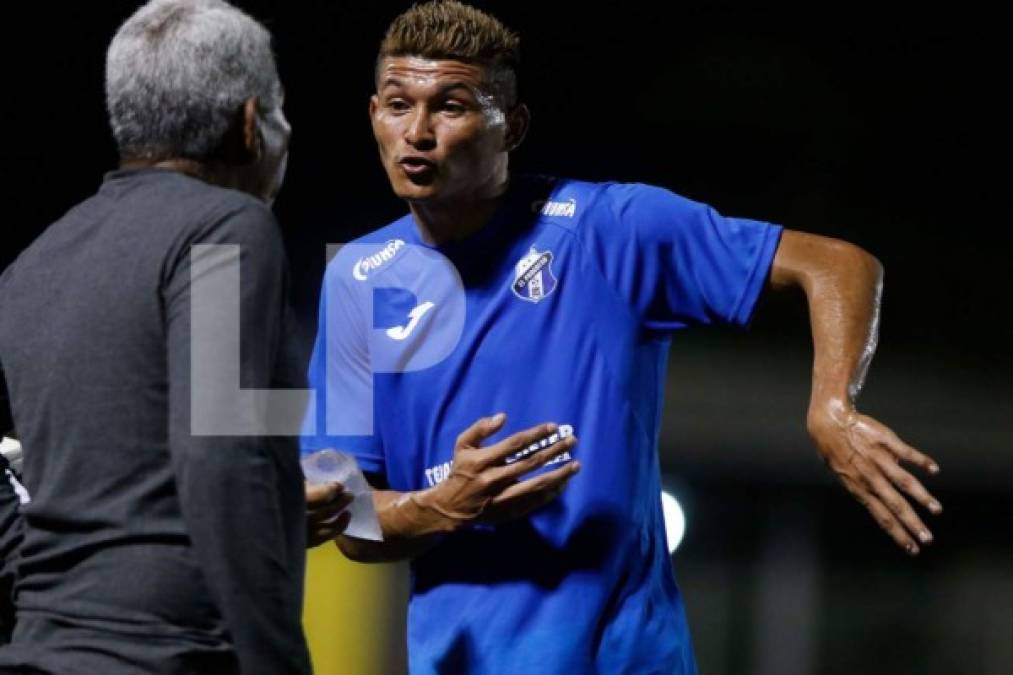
[{"x": 419, "y": 132}]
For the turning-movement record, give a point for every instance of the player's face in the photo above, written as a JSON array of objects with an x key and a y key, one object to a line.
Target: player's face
[{"x": 441, "y": 136}]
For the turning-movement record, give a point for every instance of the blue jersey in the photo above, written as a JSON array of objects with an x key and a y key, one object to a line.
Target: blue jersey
[{"x": 560, "y": 309}]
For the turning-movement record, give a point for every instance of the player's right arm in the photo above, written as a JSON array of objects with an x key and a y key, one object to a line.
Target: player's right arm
[{"x": 480, "y": 487}]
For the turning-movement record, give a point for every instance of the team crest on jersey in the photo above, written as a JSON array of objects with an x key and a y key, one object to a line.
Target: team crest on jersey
[{"x": 533, "y": 277}]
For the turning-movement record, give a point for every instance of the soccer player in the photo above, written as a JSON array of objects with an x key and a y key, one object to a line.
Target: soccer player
[
  {"x": 147, "y": 547},
  {"x": 566, "y": 297}
]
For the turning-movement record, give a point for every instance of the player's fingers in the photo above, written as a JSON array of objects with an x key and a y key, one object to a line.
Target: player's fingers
[
  {"x": 538, "y": 457},
  {"x": 890, "y": 524},
  {"x": 908, "y": 484},
  {"x": 480, "y": 430},
  {"x": 548, "y": 483},
  {"x": 898, "y": 507},
  {"x": 903, "y": 451},
  {"x": 520, "y": 506},
  {"x": 514, "y": 443}
]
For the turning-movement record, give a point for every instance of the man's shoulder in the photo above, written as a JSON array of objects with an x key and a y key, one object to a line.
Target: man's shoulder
[
  {"x": 152, "y": 205},
  {"x": 185, "y": 212},
  {"x": 154, "y": 215},
  {"x": 18, "y": 272},
  {"x": 598, "y": 203},
  {"x": 574, "y": 201},
  {"x": 142, "y": 200},
  {"x": 365, "y": 256},
  {"x": 568, "y": 203},
  {"x": 198, "y": 204},
  {"x": 399, "y": 228},
  {"x": 560, "y": 197}
]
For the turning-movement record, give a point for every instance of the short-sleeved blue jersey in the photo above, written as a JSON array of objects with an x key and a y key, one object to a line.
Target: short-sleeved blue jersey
[{"x": 562, "y": 311}]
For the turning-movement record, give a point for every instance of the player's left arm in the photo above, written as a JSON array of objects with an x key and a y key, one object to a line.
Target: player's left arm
[{"x": 843, "y": 285}]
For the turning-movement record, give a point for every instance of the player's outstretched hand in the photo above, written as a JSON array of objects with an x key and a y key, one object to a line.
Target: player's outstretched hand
[
  {"x": 482, "y": 485},
  {"x": 866, "y": 455},
  {"x": 326, "y": 516}
]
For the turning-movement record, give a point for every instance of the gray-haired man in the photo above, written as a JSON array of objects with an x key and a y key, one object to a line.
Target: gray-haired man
[{"x": 147, "y": 548}]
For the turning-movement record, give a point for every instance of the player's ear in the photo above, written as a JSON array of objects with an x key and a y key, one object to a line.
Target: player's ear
[
  {"x": 374, "y": 104},
  {"x": 518, "y": 120}
]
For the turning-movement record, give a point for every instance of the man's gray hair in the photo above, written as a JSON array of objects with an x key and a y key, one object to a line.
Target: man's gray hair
[{"x": 177, "y": 74}]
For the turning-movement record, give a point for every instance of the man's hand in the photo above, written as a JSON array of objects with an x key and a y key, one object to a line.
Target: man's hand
[
  {"x": 866, "y": 457},
  {"x": 326, "y": 516},
  {"x": 482, "y": 486}
]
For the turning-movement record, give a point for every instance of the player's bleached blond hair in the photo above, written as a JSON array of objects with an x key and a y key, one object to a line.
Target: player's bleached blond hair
[{"x": 447, "y": 29}]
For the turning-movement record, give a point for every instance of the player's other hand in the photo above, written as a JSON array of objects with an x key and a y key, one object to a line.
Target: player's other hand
[
  {"x": 482, "y": 486},
  {"x": 866, "y": 456},
  {"x": 326, "y": 514}
]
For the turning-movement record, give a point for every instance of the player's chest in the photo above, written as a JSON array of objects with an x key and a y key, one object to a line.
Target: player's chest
[{"x": 511, "y": 298}]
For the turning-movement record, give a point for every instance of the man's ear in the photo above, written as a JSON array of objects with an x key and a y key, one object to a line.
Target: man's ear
[
  {"x": 374, "y": 103},
  {"x": 252, "y": 140},
  {"x": 518, "y": 121}
]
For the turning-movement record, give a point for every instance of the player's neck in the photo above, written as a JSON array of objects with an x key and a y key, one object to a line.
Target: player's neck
[{"x": 445, "y": 222}]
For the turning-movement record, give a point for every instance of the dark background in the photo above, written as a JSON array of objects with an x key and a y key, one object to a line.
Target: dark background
[{"x": 878, "y": 125}]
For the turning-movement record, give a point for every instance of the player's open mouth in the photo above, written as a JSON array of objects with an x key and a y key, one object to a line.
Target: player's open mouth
[{"x": 417, "y": 166}]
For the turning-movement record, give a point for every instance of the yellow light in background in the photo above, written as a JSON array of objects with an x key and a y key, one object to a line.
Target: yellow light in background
[{"x": 347, "y": 615}]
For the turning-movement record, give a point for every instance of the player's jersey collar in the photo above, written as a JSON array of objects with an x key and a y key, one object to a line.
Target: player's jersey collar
[{"x": 513, "y": 212}]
